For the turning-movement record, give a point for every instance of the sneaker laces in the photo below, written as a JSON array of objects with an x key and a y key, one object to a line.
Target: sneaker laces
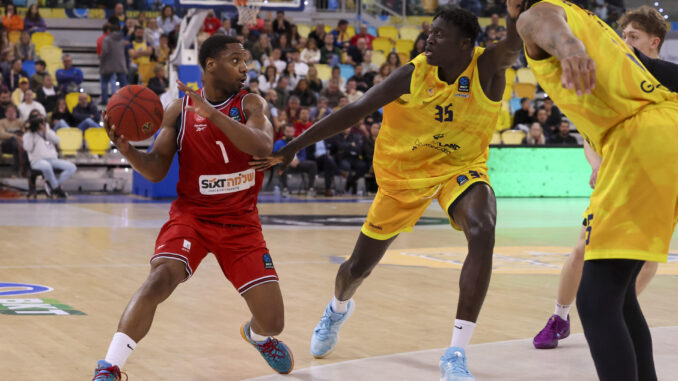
[
  {"x": 455, "y": 363},
  {"x": 325, "y": 327},
  {"x": 103, "y": 373},
  {"x": 551, "y": 326},
  {"x": 270, "y": 349}
]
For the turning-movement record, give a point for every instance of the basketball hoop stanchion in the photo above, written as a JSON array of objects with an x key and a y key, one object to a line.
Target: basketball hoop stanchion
[{"x": 247, "y": 14}]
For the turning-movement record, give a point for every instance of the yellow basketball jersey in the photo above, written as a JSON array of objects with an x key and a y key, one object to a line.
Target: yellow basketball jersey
[
  {"x": 623, "y": 85},
  {"x": 428, "y": 134}
]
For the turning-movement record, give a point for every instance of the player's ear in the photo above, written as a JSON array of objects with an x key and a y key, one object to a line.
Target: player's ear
[{"x": 210, "y": 64}]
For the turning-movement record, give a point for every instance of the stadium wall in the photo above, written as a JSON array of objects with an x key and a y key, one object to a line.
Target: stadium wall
[{"x": 539, "y": 172}]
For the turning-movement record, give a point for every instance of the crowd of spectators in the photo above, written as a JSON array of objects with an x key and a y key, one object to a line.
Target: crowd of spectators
[
  {"x": 28, "y": 103},
  {"x": 283, "y": 68}
]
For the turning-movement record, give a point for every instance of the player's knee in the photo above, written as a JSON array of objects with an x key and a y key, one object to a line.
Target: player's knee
[
  {"x": 161, "y": 281},
  {"x": 481, "y": 227},
  {"x": 358, "y": 270}
]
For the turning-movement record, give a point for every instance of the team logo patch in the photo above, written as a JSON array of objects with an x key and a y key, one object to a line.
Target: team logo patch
[
  {"x": 464, "y": 84},
  {"x": 187, "y": 245},
  {"x": 462, "y": 179},
  {"x": 268, "y": 261},
  {"x": 234, "y": 113}
]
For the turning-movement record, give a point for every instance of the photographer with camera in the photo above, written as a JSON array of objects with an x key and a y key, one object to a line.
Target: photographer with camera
[{"x": 40, "y": 144}]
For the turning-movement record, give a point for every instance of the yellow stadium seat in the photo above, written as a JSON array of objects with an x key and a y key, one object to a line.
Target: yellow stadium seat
[
  {"x": 146, "y": 71},
  {"x": 524, "y": 90},
  {"x": 14, "y": 36},
  {"x": 70, "y": 140},
  {"x": 513, "y": 137},
  {"x": 97, "y": 140},
  {"x": 409, "y": 33},
  {"x": 324, "y": 71},
  {"x": 404, "y": 58},
  {"x": 525, "y": 75},
  {"x": 41, "y": 39},
  {"x": 404, "y": 46},
  {"x": 383, "y": 44},
  {"x": 350, "y": 30},
  {"x": 496, "y": 138},
  {"x": 378, "y": 57},
  {"x": 303, "y": 30},
  {"x": 72, "y": 100},
  {"x": 388, "y": 31}
]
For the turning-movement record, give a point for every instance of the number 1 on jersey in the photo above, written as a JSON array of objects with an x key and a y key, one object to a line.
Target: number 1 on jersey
[{"x": 223, "y": 150}]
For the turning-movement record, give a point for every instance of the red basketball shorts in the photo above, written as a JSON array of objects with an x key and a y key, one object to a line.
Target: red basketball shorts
[{"x": 240, "y": 250}]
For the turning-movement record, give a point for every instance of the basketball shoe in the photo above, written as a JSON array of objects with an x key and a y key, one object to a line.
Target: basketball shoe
[
  {"x": 556, "y": 329},
  {"x": 107, "y": 372},
  {"x": 453, "y": 365},
  {"x": 275, "y": 352},
  {"x": 326, "y": 333}
]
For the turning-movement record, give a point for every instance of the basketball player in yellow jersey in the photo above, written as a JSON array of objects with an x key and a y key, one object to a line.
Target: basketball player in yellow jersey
[
  {"x": 631, "y": 120},
  {"x": 439, "y": 116},
  {"x": 643, "y": 29}
]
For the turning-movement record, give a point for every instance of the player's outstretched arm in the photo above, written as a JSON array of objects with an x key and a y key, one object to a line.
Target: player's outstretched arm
[
  {"x": 254, "y": 138},
  {"x": 496, "y": 59},
  {"x": 545, "y": 32},
  {"x": 395, "y": 85},
  {"x": 152, "y": 165}
]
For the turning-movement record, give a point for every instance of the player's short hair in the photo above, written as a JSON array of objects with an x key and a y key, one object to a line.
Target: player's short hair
[
  {"x": 213, "y": 46},
  {"x": 465, "y": 21},
  {"x": 647, "y": 19}
]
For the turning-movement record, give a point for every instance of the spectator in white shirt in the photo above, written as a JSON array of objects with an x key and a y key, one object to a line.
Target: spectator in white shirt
[
  {"x": 29, "y": 104},
  {"x": 275, "y": 59},
  {"x": 311, "y": 54},
  {"x": 300, "y": 67},
  {"x": 269, "y": 79},
  {"x": 40, "y": 144}
]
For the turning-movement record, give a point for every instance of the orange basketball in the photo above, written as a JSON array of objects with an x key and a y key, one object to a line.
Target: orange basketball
[{"x": 135, "y": 111}]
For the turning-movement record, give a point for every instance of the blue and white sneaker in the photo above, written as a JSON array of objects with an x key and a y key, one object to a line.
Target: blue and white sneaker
[
  {"x": 453, "y": 366},
  {"x": 107, "y": 372},
  {"x": 275, "y": 352},
  {"x": 326, "y": 333}
]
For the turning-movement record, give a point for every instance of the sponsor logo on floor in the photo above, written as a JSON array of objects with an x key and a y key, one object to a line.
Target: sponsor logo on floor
[{"x": 31, "y": 306}]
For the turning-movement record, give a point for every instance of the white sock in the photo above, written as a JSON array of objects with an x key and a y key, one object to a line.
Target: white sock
[
  {"x": 257, "y": 337},
  {"x": 120, "y": 349},
  {"x": 562, "y": 310},
  {"x": 463, "y": 330},
  {"x": 339, "y": 306}
]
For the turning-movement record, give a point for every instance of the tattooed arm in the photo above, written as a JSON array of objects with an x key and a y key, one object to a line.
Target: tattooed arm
[{"x": 545, "y": 32}]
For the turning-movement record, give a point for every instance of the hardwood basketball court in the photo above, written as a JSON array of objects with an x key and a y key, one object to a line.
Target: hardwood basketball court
[{"x": 93, "y": 252}]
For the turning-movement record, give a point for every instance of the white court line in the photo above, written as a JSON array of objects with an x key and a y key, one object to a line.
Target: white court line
[{"x": 495, "y": 360}]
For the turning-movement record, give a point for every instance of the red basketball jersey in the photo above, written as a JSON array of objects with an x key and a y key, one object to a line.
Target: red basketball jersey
[{"x": 216, "y": 182}]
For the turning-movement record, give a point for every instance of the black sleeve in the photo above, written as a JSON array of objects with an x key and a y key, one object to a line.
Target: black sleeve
[{"x": 666, "y": 72}]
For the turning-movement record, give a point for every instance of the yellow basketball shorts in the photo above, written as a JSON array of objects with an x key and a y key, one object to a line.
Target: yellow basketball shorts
[
  {"x": 634, "y": 208},
  {"x": 396, "y": 211}
]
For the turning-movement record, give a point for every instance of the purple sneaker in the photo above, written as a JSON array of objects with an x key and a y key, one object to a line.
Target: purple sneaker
[{"x": 556, "y": 329}]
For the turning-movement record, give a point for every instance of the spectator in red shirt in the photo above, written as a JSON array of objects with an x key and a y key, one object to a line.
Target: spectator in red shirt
[
  {"x": 211, "y": 23},
  {"x": 100, "y": 41},
  {"x": 304, "y": 122},
  {"x": 362, "y": 33}
]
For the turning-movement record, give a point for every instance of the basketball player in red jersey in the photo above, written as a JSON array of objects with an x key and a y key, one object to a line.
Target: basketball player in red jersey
[{"x": 216, "y": 131}]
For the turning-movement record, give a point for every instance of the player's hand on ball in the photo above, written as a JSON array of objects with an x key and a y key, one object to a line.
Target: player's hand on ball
[
  {"x": 120, "y": 141},
  {"x": 199, "y": 106},
  {"x": 579, "y": 73}
]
